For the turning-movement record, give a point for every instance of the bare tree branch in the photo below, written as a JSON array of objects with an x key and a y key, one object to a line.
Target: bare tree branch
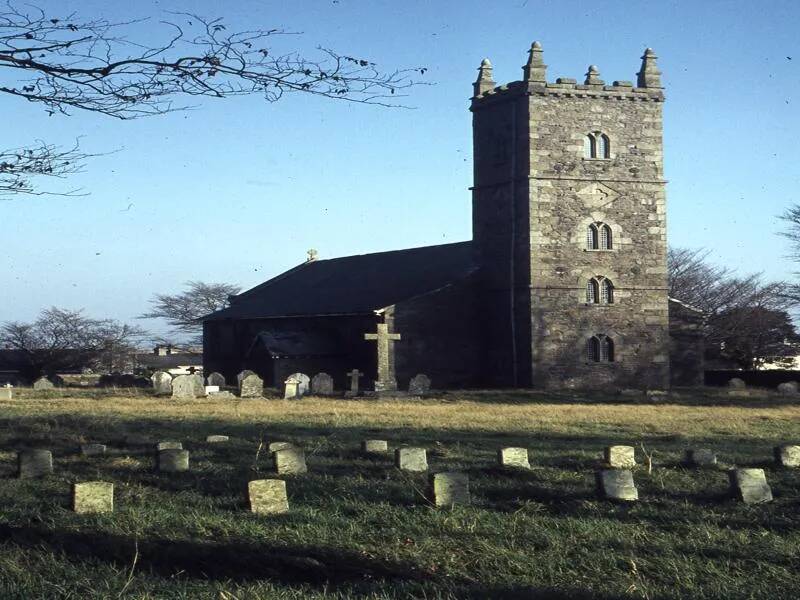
[{"x": 20, "y": 165}]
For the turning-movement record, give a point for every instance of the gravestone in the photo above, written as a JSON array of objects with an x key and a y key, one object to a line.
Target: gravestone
[
  {"x": 386, "y": 382},
  {"x": 162, "y": 382},
  {"x": 620, "y": 457},
  {"x": 449, "y": 488},
  {"x": 736, "y": 383},
  {"x": 291, "y": 390},
  {"x": 513, "y": 457},
  {"x": 374, "y": 446},
  {"x": 788, "y": 456},
  {"x": 43, "y": 383},
  {"x": 322, "y": 384},
  {"x": 216, "y": 439},
  {"x": 173, "y": 461},
  {"x": 217, "y": 379},
  {"x": 251, "y": 386},
  {"x": 93, "y": 449},
  {"x": 616, "y": 484},
  {"x": 354, "y": 376},
  {"x": 700, "y": 457},
  {"x": 289, "y": 461},
  {"x": 34, "y": 463},
  {"x": 199, "y": 385},
  {"x": 788, "y": 389},
  {"x": 168, "y": 445},
  {"x": 7, "y": 392},
  {"x": 268, "y": 496},
  {"x": 242, "y": 375},
  {"x": 305, "y": 382},
  {"x": 420, "y": 385},
  {"x": 184, "y": 388},
  {"x": 411, "y": 459},
  {"x": 211, "y": 390},
  {"x": 275, "y": 446},
  {"x": 92, "y": 497},
  {"x": 223, "y": 395},
  {"x": 750, "y": 485}
]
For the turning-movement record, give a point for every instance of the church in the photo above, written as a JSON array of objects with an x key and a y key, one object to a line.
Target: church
[{"x": 563, "y": 286}]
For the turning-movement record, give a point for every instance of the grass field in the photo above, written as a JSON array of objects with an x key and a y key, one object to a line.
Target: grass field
[{"x": 360, "y": 529}]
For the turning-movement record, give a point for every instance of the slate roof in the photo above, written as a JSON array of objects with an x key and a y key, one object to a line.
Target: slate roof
[
  {"x": 169, "y": 361},
  {"x": 353, "y": 284}
]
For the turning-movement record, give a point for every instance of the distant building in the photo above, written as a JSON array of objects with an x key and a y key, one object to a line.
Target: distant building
[{"x": 167, "y": 358}]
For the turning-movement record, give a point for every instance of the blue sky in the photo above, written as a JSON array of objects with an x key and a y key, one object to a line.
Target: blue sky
[{"x": 238, "y": 190}]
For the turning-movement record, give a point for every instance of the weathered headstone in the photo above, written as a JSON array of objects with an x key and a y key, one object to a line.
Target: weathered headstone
[
  {"x": 449, "y": 488},
  {"x": 419, "y": 385},
  {"x": 375, "y": 446},
  {"x": 216, "y": 439},
  {"x": 289, "y": 461},
  {"x": 616, "y": 484},
  {"x": 513, "y": 457},
  {"x": 736, "y": 383},
  {"x": 411, "y": 459},
  {"x": 217, "y": 379},
  {"x": 173, "y": 461},
  {"x": 168, "y": 445},
  {"x": 162, "y": 382},
  {"x": 93, "y": 449},
  {"x": 322, "y": 384},
  {"x": 7, "y": 392},
  {"x": 620, "y": 457},
  {"x": 244, "y": 374},
  {"x": 750, "y": 485},
  {"x": 291, "y": 389},
  {"x": 700, "y": 457},
  {"x": 92, "y": 497},
  {"x": 788, "y": 388},
  {"x": 305, "y": 382},
  {"x": 268, "y": 496},
  {"x": 199, "y": 385},
  {"x": 354, "y": 376},
  {"x": 43, "y": 383},
  {"x": 386, "y": 382},
  {"x": 788, "y": 456},
  {"x": 184, "y": 388},
  {"x": 275, "y": 446},
  {"x": 251, "y": 386},
  {"x": 34, "y": 463}
]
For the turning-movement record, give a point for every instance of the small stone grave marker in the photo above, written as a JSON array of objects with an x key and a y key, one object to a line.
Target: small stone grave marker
[
  {"x": 788, "y": 455},
  {"x": 736, "y": 383},
  {"x": 173, "y": 461},
  {"x": 616, "y": 484},
  {"x": 268, "y": 496},
  {"x": 91, "y": 497},
  {"x": 217, "y": 379},
  {"x": 620, "y": 457},
  {"x": 162, "y": 382},
  {"x": 305, "y": 382},
  {"x": 169, "y": 445},
  {"x": 244, "y": 374},
  {"x": 251, "y": 386},
  {"x": 449, "y": 488},
  {"x": 199, "y": 385},
  {"x": 34, "y": 463},
  {"x": 211, "y": 389},
  {"x": 513, "y": 457},
  {"x": 291, "y": 389},
  {"x": 184, "y": 387},
  {"x": 43, "y": 383},
  {"x": 93, "y": 449},
  {"x": 700, "y": 457},
  {"x": 322, "y": 384},
  {"x": 354, "y": 376},
  {"x": 375, "y": 446},
  {"x": 750, "y": 485},
  {"x": 289, "y": 461},
  {"x": 419, "y": 385},
  {"x": 788, "y": 389},
  {"x": 7, "y": 392},
  {"x": 216, "y": 439},
  {"x": 411, "y": 459},
  {"x": 275, "y": 446}
]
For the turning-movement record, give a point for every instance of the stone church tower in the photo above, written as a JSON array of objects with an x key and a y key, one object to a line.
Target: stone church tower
[{"x": 569, "y": 226}]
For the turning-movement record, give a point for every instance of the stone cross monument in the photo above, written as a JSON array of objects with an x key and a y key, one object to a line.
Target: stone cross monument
[{"x": 386, "y": 381}]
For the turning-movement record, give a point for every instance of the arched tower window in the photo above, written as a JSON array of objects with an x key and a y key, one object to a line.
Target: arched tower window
[
  {"x": 589, "y": 146},
  {"x": 599, "y": 290},
  {"x": 606, "y": 242},
  {"x": 596, "y": 145},
  {"x": 592, "y": 237},
  {"x": 600, "y": 348},
  {"x": 606, "y": 291},
  {"x": 603, "y": 146},
  {"x": 592, "y": 291}
]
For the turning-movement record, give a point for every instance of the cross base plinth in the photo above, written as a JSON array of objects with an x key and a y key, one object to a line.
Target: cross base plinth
[{"x": 386, "y": 385}]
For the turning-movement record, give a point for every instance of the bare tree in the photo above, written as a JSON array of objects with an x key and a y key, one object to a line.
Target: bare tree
[
  {"x": 68, "y": 63},
  {"x": 184, "y": 311}
]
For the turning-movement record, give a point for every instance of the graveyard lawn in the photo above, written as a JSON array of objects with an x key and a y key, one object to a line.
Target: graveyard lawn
[{"x": 359, "y": 528}]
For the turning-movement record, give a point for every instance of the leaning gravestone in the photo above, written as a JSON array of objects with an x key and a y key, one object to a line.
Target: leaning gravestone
[
  {"x": 251, "y": 386},
  {"x": 217, "y": 379},
  {"x": 93, "y": 449},
  {"x": 275, "y": 446},
  {"x": 216, "y": 439},
  {"x": 291, "y": 390},
  {"x": 513, "y": 457},
  {"x": 374, "y": 446},
  {"x": 788, "y": 389},
  {"x": 184, "y": 388},
  {"x": 620, "y": 457},
  {"x": 736, "y": 383},
  {"x": 449, "y": 488},
  {"x": 162, "y": 382},
  {"x": 168, "y": 445},
  {"x": 616, "y": 484},
  {"x": 93, "y": 497},
  {"x": 788, "y": 456},
  {"x": 700, "y": 457},
  {"x": 34, "y": 463},
  {"x": 322, "y": 384},
  {"x": 750, "y": 485},
  {"x": 268, "y": 496},
  {"x": 289, "y": 461},
  {"x": 411, "y": 459},
  {"x": 173, "y": 461},
  {"x": 43, "y": 383},
  {"x": 305, "y": 382},
  {"x": 420, "y": 385}
]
